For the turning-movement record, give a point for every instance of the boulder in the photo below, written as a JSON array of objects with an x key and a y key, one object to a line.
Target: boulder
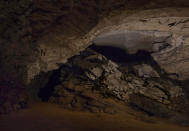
[{"x": 145, "y": 71}]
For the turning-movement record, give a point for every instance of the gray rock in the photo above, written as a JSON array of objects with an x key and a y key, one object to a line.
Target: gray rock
[
  {"x": 157, "y": 47},
  {"x": 145, "y": 71},
  {"x": 132, "y": 41},
  {"x": 97, "y": 72}
]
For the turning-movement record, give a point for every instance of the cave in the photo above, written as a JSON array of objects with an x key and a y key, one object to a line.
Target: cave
[{"x": 84, "y": 65}]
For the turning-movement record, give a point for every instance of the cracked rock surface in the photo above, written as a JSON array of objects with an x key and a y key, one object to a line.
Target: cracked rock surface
[
  {"x": 89, "y": 78},
  {"x": 163, "y": 32}
]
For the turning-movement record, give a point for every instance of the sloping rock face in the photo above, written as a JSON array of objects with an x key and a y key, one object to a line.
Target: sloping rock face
[{"x": 87, "y": 79}]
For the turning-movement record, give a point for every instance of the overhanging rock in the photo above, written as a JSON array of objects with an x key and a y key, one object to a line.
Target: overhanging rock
[{"x": 132, "y": 41}]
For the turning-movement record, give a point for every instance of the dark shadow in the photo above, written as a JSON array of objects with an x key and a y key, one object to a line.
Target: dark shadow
[
  {"x": 47, "y": 90},
  {"x": 120, "y": 56}
]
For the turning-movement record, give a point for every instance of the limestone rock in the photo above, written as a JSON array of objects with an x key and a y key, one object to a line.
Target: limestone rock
[
  {"x": 86, "y": 80},
  {"x": 145, "y": 71},
  {"x": 132, "y": 41},
  {"x": 163, "y": 32}
]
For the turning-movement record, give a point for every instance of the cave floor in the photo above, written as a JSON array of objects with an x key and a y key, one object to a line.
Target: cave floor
[{"x": 50, "y": 117}]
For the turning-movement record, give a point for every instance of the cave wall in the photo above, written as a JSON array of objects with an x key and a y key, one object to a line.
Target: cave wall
[
  {"x": 173, "y": 21},
  {"x": 174, "y": 57},
  {"x": 38, "y": 34},
  {"x": 15, "y": 40}
]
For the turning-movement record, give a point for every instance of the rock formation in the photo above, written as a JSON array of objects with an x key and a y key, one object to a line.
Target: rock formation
[
  {"x": 49, "y": 41},
  {"x": 86, "y": 81},
  {"x": 166, "y": 39},
  {"x": 160, "y": 31}
]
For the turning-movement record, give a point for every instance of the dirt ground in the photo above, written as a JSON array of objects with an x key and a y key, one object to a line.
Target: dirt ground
[{"x": 50, "y": 117}]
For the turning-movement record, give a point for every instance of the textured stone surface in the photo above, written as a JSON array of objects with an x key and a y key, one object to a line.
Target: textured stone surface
[
  {"x": 145, "y": 71},
  {"x": 92, "y": 77},
  {"x": 162, "y": 31},
  {"x": 132, "y": 41},
  {"x": 40, "y": 36},
  {"x": 171, "y": 54},
  {"x": 52, "y": 27},
  {"x": 16, "y": 99},
  {"x": 15, "y": 53}
]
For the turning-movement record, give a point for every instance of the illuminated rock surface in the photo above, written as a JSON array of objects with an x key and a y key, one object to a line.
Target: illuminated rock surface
[{"x": 44, "y": 52}]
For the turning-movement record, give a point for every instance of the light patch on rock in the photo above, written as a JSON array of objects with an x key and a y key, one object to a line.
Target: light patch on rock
[
  {"x": 145, "y": 71},
  {"x": 172, "y": 59}
]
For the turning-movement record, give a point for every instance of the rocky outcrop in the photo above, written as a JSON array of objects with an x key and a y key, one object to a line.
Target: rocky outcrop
[{"x": 90, "y": 78}]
